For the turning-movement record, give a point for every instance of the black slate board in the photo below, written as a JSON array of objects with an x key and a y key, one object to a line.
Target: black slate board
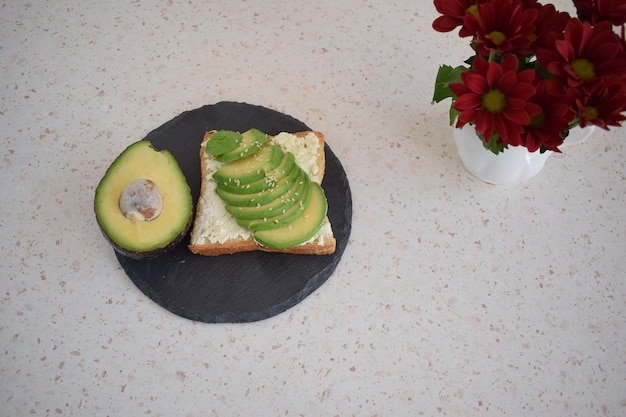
[{"x": 242, "y": 287}]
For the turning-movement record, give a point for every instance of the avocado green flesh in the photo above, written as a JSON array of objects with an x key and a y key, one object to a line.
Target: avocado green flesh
[
  {"x": 302, "y": 229},
  {"x": 278, "y": 205},
  {"x": 144, "y": 239},
  {"x": 251, "y": 141},
  {"x": 263, "y": 197},
  {"x": 270, "y": 177},
  {"x": 223, "y": 141},
  {"x": 282, "y": 218},
  {"x": 238, "y": 174}
]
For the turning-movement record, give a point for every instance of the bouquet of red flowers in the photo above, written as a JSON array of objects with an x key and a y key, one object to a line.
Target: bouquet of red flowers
[{"x": 535, "y": 72}]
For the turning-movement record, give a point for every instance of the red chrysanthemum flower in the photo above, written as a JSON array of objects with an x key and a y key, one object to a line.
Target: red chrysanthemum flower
[
  {"x": 595, "y": 11},
  {"x": 548, "y": 22},
  {"x": 546, "y": 127},
  {"x": 495, "y": 97},
  {"x": 583, "y": 55},
  {"x": 502, "y": 26},
  {"x": 453, "y": 12},
  {"x": 603, "y": 104}
]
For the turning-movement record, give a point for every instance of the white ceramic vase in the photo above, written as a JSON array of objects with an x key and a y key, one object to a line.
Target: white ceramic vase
[{"x": 512, "y": 165}]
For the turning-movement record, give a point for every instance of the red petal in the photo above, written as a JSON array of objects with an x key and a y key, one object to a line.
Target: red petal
[
  {"x": 514, "y": 104},
  {"x": 494, "y": 73},
  {"x": 446, "y": 24},
  {"x": 526, "y": 76},
  {"x": 507, "y": 81},
  {"x": 509, "y": 132},
  {"x": 476, "y": 83},
  {"x": 518, "y": 116},
  {"x": 480, "y": 65},
  {"x": 510, "y": 64},
  {"x": 533, "y": 109},
  {"x": 522, "y": 91},
  {"x": 466, "y": 117},
  {"x": 546, "y": 56},
  {"x": 467, "y": 101},
  {"x": 565, "y": 49},
  {"x": 485, "y": 124}
]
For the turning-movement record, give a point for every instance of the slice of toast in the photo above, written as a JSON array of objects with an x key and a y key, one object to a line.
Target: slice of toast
[{"x": 216, "y": 232}]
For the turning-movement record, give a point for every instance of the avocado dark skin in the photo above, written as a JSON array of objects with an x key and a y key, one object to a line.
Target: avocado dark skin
[{"x": 148, "y": 254}]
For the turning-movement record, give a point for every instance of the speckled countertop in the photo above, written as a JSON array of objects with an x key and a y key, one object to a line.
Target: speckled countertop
[{"x": 453, "y": 297}]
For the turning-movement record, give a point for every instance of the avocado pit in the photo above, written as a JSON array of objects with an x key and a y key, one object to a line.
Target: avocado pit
[{"x": 141, "y": 200}]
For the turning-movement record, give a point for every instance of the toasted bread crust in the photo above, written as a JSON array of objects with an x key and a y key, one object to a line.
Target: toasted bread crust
[{"x": 245, "y": 245}]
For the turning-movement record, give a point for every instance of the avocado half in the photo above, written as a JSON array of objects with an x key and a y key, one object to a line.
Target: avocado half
[{"x": 143, "y": 203}]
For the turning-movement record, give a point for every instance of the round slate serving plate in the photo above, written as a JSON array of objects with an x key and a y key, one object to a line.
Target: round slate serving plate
[{"x": 242, "y": 287}]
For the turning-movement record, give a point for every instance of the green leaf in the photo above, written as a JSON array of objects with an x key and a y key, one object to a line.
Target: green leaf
[
  {"x": 495, "y": 145},
  {"x": 454, "y": 114},
  {"x": 222, "y": 141},
  {"x": 446, "y": 76}
]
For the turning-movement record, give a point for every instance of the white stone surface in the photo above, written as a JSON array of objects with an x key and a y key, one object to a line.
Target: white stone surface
[{"x": 453, "y": 298}]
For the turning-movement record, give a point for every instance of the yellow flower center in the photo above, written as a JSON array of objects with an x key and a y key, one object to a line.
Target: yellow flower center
[
  {"x": 497, "y": 37},
  {"x": 537, "y": 121},
  {"x": 591, "y": 113},
  {"x": 584, "y": 69},
  {"x": 473, "y": 10},
  {"x": 494, "y": 101}
]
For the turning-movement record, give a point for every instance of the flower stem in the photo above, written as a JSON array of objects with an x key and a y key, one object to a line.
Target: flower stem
[{"x": 492, "y": 55}]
